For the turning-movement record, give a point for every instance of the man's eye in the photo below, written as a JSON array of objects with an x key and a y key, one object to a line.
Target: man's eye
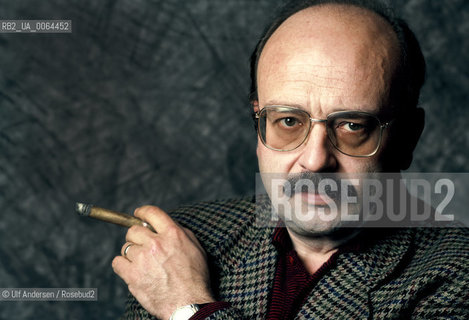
[
  {"x": 352, "y": 126},
  {"x": 289, "y": 122}
]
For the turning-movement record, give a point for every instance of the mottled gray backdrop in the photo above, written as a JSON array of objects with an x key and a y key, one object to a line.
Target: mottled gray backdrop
[{"x": 145, "y": 102}]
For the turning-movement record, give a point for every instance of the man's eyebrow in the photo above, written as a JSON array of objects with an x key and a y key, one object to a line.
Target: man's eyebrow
[
  {"x": 374, "y": 111},
  {"x": 277, "y": 103},
  {"x": 301, "y": 107}
]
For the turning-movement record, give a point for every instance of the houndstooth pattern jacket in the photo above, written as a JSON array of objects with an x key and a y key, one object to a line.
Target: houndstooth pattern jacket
[{"x": 398, "y": 274}]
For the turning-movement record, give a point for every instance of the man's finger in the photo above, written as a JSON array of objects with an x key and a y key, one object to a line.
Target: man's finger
[
  {"x": 190, "y": 234},
  {"x": 128, "y": 250},
  {"x": 121, "y": 265},
  {"x": 156, "y": 217},
  {"x": 138, "y": 235}
]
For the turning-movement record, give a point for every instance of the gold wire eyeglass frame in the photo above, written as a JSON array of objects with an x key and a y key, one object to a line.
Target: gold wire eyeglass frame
[{"x": 382, "y": 126}]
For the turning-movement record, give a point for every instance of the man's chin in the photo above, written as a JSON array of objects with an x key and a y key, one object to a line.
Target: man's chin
[
  {"x": 333, "y": 230},
  {"x": 311, "y": 229},
  {"x": 315, "y": 215},
  {"x": 310, "y": 223}
]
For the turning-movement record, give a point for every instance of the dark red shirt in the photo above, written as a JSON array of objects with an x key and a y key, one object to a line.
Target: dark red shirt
[{"x": 292, "y": 282}]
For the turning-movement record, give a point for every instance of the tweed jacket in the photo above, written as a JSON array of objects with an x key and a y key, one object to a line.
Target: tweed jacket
[{"x": 398, "y": 274}]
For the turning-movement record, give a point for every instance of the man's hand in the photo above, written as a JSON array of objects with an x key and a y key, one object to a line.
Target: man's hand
[{"x": 163, "y": 270}]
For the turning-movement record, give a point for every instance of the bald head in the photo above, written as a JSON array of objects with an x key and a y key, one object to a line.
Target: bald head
[
  {"x": 340, "y": 21},
  {"x": 337, "y": 28},
  {"x": 327, "y": 57},
  {"x": 369, "y": 23}
]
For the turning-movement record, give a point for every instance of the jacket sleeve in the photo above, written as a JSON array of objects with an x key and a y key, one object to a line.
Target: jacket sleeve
[
  {"x": 226, "y": 314},
  {"x": 134, "y": 311}
]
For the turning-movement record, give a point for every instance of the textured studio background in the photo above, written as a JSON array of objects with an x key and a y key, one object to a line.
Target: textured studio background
[{"x": 145, "y": 102}]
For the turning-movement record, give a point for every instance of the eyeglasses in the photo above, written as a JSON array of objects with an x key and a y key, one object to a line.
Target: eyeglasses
[{"x": 353, "y": 133}]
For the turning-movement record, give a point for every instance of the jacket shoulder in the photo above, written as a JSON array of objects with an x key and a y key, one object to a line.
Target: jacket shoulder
[
  {"x": 442, "y": 257},
  {"x": 217, "y": 223},
  {"x": 431, "y": 280},
  {"x": 442, "y": 250}
]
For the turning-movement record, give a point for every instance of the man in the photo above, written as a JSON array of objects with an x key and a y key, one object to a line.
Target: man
[{"x": 317, "y": 63}]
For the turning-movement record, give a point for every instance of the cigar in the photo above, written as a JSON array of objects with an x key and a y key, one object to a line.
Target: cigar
[{"x": 122, "y": 219}]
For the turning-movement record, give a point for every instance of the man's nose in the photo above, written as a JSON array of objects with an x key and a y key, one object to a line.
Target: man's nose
[{"x": 317, "y": 154}]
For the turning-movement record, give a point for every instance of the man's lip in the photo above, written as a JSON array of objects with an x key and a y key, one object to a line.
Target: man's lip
[{"x": 317, "y": 199}]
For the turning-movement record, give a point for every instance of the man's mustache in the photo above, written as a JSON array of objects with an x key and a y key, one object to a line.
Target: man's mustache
[{"x": 295, "y": 183}]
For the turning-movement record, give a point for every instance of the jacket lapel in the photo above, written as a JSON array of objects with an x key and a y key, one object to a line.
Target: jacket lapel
[
  {"x": 345, "y": 291},
  {"x": 247, "y": 280}
]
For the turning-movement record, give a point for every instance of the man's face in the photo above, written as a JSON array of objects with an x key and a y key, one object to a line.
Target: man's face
[{"x": 326, "y": 59}]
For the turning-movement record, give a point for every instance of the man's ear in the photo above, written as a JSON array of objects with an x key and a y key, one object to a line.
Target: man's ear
[
  {"x": 255, "y": 105},
  {"x": 409, "y": 129},
  {"x": 255, "y": 109}
]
